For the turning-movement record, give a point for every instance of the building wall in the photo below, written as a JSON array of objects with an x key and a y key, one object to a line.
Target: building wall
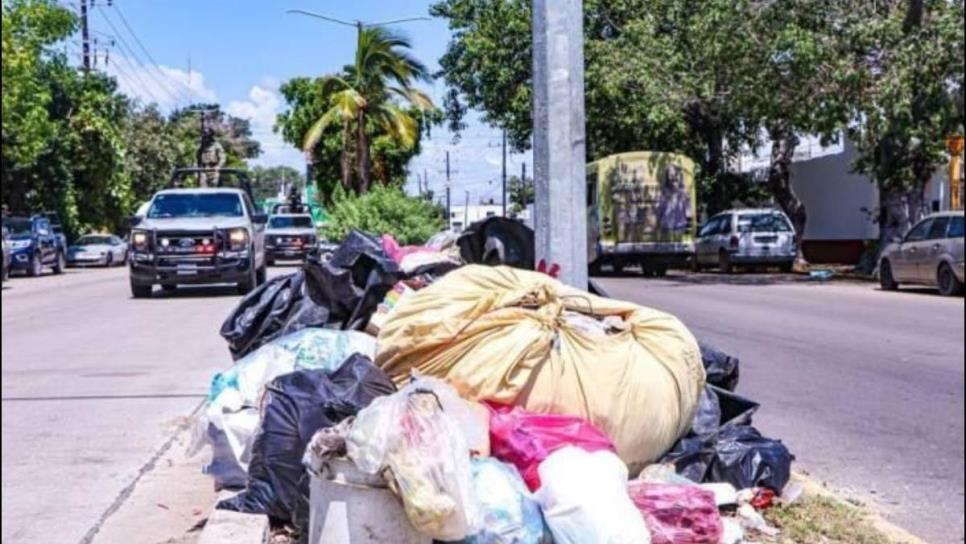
[{"x": 462, "y": 216}]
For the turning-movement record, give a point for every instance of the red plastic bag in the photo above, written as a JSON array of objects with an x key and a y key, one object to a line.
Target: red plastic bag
[
  {"x": 524, "y": 439},
  {"x": 678, "y": 514}
]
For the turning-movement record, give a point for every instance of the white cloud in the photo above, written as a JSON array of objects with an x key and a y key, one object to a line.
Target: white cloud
[
  {"x": 168, "y": 87},
  {"x": 261, "y": 108}
]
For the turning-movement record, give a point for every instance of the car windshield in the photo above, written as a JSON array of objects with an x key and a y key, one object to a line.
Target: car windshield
[
  {"x": 763, "y": 222},
  {"x": 195, "y": 205},
  {"x": 299, "y": 222},
  {"x": 17, "y": 226},
  {"x": 93, "y": 240}
]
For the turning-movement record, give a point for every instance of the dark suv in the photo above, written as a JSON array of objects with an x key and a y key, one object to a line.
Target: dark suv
[{"x": 34, "y": 245}]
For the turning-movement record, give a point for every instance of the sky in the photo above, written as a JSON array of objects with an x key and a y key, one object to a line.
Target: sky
[{"x": 238, "y": 52}]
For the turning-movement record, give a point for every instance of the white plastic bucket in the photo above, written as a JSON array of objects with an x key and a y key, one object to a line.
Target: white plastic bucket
[{"x": 351, "y": 507}]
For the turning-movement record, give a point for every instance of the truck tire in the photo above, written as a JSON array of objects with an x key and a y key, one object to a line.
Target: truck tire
[
  {"x": 949, "y": 284},
  {"x": 618, "y": 266},
  {"x": 262, "y": 275},
  {"x": 36, "y": 266},
  {"x": 248, "y": 284},
  {"x": 140, "y": 290},
  {"x": 60, "y": 264}
]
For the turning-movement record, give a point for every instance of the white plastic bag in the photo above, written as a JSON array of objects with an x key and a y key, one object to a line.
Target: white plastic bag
[
  {"x": 584, "y": 499},
  {"x": 423, "y": 446}
]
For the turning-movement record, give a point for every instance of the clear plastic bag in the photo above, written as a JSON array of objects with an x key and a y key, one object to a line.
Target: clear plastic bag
[
  {"x": 584, "y": 499},
  {"x": 510, "y": 513},
  {"x": 426, "y": 452}
]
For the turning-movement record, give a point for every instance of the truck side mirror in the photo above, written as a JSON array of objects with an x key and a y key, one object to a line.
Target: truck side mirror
[
  {"x": 134, "y": 220},
  {"x": 260, "y": 218}
]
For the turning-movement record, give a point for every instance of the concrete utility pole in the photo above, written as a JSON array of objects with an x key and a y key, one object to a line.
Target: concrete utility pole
[
  {"x": 558, "y": 137},
  {"x": 85, "y": 37},
  {"x": 449, "y": 215},
  {"x": 504, "y": 172}
]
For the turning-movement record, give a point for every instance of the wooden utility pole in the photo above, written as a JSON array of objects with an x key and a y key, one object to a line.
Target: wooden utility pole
[{"x": 559, "y": 167}]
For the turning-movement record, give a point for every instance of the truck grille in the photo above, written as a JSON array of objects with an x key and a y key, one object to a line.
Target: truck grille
[{"x": 187, "y": 243}]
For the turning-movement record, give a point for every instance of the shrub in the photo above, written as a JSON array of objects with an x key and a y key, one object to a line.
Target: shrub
[{"x": 383, "y": 210}]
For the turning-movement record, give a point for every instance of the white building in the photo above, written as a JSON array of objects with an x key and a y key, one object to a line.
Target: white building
[
  {"x": 841, "y": 205},
  {"x": 462, "y": 216}
]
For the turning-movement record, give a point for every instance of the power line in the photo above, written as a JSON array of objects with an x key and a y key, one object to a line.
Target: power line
[
  {"x": 147, "y": 53},
  {"x": 130, "y": 51}
]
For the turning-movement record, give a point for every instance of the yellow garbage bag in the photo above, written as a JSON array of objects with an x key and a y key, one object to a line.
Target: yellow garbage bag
[{"x": 523, "y": 338}]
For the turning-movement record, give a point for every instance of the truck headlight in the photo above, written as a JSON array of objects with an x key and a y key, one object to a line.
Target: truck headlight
[
  {"x": 19, "y": 244},
  {"x": 237, "y": 239},
  {"x": 140, "y": 240}
]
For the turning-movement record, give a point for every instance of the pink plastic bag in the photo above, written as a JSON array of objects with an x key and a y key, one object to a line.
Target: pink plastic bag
[
  {"x": 524, "y": 439},
  {"x": 678, "y": 514},
  {"x": 397, "y": 252}
]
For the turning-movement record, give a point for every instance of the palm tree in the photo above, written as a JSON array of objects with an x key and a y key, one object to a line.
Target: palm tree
[{"x": 366, "y": 96}]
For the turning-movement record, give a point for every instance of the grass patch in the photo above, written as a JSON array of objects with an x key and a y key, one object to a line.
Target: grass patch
[{"x": 821, "y": 520}]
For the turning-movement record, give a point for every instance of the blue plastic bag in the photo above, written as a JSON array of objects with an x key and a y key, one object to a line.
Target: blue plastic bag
[{"x": 511, "y": 515}]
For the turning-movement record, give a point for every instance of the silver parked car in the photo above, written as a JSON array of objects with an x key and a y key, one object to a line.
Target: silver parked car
[
  {"x": 100, "y": 249},
  {"x": 746, "y": 237},
  {"x": 930, "y": 254}
]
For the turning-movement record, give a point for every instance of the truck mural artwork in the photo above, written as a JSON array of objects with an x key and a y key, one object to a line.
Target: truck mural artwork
[{"x": 642, "y": 209}]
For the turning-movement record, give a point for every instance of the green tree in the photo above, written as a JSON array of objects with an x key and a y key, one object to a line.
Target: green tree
[
  {"x": 152, "y": 151},
  {"x": 268, "y": 181},
  {"x": 383, "y": 210},
  {"x": 909, "y": 60},
  {"x": 365, "y": 97},
  {"x": 521, "y": 193},
  {"x": 308, "y": 101}
]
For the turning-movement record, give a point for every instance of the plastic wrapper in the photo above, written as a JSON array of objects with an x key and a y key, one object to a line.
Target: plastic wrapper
[
  {"x": 677, "y": 514},
  {"x": 525, "y": 439},
  {"x": 584, "y": 499},
  {"x": 722, "y": 369},
  {"x": 427, "y": 454},
  {"x": 296, "y": 406},
  {"x": 510, "y": 514}
]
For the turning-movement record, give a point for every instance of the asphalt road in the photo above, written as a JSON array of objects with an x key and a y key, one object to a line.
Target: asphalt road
[
  {"x": 865, "y": 387},
  {"x": 94, "y": 386}
]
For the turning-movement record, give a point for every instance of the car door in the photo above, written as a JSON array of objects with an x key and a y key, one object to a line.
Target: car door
[
  {"x": 911, "y": 251},
  {"x": 258, "y": 231},
  {"x": 927, "y": 264},
  {"x": 722, "y": 237}
]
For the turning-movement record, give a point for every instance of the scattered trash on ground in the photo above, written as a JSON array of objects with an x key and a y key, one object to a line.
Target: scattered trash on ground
[{"x": 405, "y": 394}]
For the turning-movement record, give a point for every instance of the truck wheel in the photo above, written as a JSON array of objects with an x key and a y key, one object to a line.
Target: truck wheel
[
  {"x": 60, "y": 264},
  {"x": 140, "y": 290},
  {"x": 248, "y": 284},
  {"x": 949, "y": 284},
  {"x": 262, "y": 275},
  {"x": 109, "y": 260},
  {"x": 887, "y": 281},
  {"x": 36, "y": 267},
  {"x": 595, "y": 268},
  {"x": 618, "y": 267},
  {"x": 660, "y": 271},
  {"x": 269, "y": 262},
  {"x": 724, "y": 262}
]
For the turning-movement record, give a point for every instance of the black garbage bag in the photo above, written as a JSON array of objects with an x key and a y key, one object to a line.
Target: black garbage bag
[
  {"x": 296, "y": 406},
  {"x": 341, "y": 293},
  {"x": 498, "y": 241},
  {"x": 722, "y": 446},
  {"x": 721, "y": 368},
  {"x": 276, "y": 308},
  {"x": 353, "y": 281},
  {"x": 744, "y": 458}
]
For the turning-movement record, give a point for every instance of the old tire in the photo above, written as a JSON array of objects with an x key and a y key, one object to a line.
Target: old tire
[
  {"x": 887, "y": 281},
  {"x": 949, "y": 285},
  {"x": 36, "y": 266},
  {"x": 724, "y": 262},
  {"x": 60, "y": 264},
  {"x": 140, "y": 290}
]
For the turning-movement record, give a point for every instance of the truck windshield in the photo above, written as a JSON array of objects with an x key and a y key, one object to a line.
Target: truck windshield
[
  {"x": 280, "y": 222},
  {"x": 196, "y": 205},
  {"x": 17, "y": 226},
  {"x": 763, "y": 222}
]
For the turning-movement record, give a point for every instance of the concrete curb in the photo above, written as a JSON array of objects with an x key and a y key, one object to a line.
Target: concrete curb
[
  {"x": 225, "y": 527},
  {"x": 896, "y": 534}
]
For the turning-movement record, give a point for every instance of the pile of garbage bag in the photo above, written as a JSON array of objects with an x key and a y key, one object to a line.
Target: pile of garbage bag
[{"x": 495, "y": 405}]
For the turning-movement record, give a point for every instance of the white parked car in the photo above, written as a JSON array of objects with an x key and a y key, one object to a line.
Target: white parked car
[
  {"x": 746, "y": 237},
  {"x": 99, "y": 249}
]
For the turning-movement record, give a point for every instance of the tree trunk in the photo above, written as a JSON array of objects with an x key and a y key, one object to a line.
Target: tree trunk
[
  {"x": 783, "y": 146},
  {"x": 365, "y": 160},
  {"x": 347, "y": 155},
  {"x": 713, "y": 166}
]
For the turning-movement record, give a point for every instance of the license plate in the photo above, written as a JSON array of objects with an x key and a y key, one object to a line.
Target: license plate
[{"x": 187, "y": 269}]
